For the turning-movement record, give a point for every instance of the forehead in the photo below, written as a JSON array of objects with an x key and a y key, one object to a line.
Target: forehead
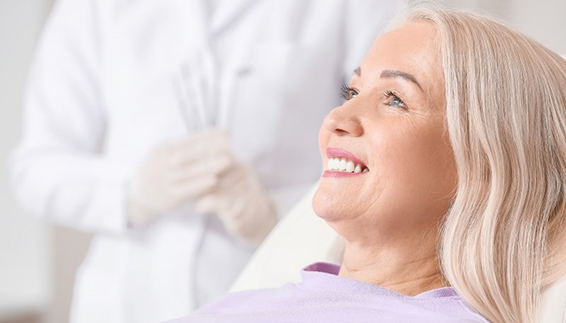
[{"x": 412, "y": 49}]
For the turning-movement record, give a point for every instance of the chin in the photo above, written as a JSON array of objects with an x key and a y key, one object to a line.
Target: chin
[{"x": 326, "y": 203}]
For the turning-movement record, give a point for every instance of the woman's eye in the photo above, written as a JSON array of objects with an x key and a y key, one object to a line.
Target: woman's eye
[
  {"x": 348, "y": 93},
  {"x": 393, "y": 100}
]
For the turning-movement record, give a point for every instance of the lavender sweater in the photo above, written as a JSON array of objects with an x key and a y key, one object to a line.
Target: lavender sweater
[{"x": 325, "y": 297}]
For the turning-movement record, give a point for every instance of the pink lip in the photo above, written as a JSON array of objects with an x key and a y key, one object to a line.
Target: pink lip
[
  {"x": 335, "y": 173},
  {"x": 341, "y": 153}
]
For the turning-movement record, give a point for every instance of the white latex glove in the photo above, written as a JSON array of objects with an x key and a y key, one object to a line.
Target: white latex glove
[
  {"x": 241, "y": 203},
  {"x": 176, "y": 173}
]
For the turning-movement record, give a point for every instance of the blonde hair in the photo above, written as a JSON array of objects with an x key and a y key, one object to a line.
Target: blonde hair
[{"x": 506, "y": 118}]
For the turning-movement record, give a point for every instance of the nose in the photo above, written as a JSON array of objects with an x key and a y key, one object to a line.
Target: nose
[{"x": 343, "y": 122}]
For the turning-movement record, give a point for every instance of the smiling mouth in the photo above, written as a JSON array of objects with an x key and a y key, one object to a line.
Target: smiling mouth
[
  {"x": 343, "y": 161},
  {"x": 345, "y": 165}
]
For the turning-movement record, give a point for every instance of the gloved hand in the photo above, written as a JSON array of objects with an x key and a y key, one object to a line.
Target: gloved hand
[
  {"x": 241, "y": 203},
  {"x": 176, "y": 173}
]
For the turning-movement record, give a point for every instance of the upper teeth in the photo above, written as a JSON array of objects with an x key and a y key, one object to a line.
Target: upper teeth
[{"x": 345, "y": 165}]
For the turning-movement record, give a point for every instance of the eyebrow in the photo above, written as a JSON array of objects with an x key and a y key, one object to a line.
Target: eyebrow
[
  {"x": 358, "y": 71},
  {"x": 403, "y": 75}
]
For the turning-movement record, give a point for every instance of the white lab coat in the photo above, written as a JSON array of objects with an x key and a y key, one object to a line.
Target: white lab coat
[{"x": 103, "y": 93}]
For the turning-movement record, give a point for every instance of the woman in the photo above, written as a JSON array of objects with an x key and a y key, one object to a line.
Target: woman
[{"x": 444, "y": 174}]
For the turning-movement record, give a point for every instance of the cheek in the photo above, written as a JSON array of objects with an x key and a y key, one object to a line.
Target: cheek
[{"x": 416, "y": 171}]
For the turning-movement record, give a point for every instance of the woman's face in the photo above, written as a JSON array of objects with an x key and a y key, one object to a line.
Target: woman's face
[{"x": 392, "y": 124}]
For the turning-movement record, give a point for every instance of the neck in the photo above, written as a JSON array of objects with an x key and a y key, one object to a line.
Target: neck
[{"x": 393, "y": 269}]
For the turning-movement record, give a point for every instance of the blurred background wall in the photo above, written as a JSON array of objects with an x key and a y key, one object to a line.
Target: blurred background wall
[
  {"x": 38, "y": 260},
  {"x": 25, "y": 263}
]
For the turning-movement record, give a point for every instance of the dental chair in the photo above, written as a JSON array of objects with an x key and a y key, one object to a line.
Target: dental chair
[{"x": 302, "y": 238}]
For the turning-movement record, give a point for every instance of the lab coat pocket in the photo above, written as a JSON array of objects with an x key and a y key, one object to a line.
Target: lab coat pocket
[
  {"x": 259, "y": 103},
  {"x": 269, "y": 62},
  {"x": 276, "y": 119}
]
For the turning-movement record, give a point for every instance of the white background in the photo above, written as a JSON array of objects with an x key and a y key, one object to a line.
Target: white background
[
  {"x": 37, "y": 260},
  {"x": 25, "y": 269}
]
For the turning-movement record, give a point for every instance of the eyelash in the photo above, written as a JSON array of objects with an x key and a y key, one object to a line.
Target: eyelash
[
  {"x": 392, "y": 95},
  {"x": 348, "y": 92}
]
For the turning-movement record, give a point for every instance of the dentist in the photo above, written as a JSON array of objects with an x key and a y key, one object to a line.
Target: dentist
[{"x": 177, "y": 131}]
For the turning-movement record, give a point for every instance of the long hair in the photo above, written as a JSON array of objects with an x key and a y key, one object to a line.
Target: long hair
[{"x": 502, "y": 238}]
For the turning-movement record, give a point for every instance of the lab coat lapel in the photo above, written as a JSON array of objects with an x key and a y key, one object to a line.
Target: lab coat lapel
[{"x": 228, "y": 12}]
